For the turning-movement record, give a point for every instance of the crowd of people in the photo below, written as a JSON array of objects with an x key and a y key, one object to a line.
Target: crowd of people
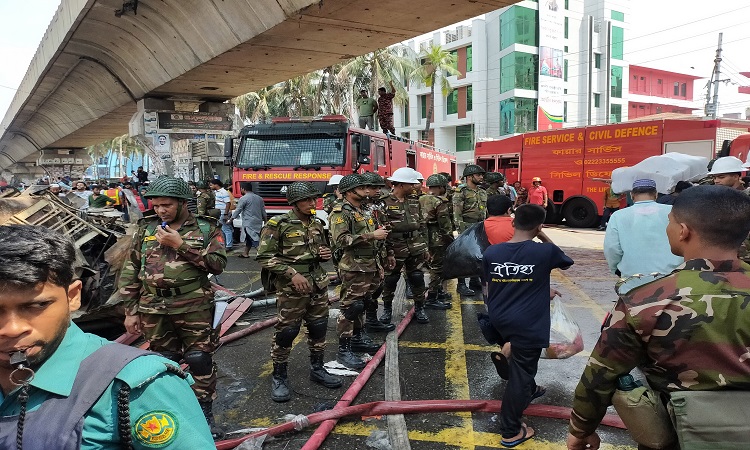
[{"x": 686, "y": 330}]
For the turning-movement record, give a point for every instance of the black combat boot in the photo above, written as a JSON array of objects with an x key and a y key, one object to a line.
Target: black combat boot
[
  {"x": 279, "y": 389},
  {"x": 408, "y": 292},
  {"x": 373, "y": 325},
  {"x": 387, "y": 313},
  {"x": 444, "y": 296},
  {"x": 362, "y": 343},
  {"x": 216, "y": 431},
  {"x": 419, "y": 315},
  {"x": 319, "y": 374},
  {"x": 346, "y": 357},
  {"x": 475, "y": 284},
  {"x": 463, "y": 289},
  {"x": 433, "y": 302}
]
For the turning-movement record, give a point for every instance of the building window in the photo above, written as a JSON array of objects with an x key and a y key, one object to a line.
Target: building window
[
  {"x": 615, "y": 113},
  {"x": 464, "y": 138},
  {"x": 423, "y": 106},
  {"x": 565, "y": 91},
  {"x": 518, "y": 26},
  {"x": 469, "y": 64},
  {"x": 517, "y": 115},
  {"x": 565, "y": 70},
  {"x": 452, "y": 102},
  {"x": 565, "y": 33},
  {"x": 565, "y": 49},
  {"x": 597, "y": 100},
  {"x": 616, "y": 82},
  {"x": 618, "y": 37},
  {"x": 519, "y": 70},
  {"x": 676, "y": 89},
  {"x": 567, "y": 4},
  {"x": 617, "y": 15},
  {"x": 565, "y": 111},
  {"x": 454, "y": 57},
  {"x": 597, "y": 60},
  {"x": 405, "y": 115},
  {"x": 469, "y": 98},
  {"x": 683, "y": 90}
]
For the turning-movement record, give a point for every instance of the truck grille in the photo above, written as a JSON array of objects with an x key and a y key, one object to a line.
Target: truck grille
[{"x": 271, "y": 189}]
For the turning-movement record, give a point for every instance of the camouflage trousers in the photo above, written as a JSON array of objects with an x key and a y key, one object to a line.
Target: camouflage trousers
[
  {"x": 412, "y": 266},
  {"x": 292, "y": 308},
  {"x": 356, "y": 287},
  {"x": 436, "y": 268},
  {"x": 177, "y": 334}
]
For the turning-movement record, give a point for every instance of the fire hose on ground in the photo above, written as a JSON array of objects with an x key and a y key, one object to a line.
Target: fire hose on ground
[{"x": 328, "y": 419}]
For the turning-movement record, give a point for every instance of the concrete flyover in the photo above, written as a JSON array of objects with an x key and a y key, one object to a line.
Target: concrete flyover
[{"x": 93, "y": 65}]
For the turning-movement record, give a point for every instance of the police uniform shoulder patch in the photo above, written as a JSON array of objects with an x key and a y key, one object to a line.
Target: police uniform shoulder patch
[{"x": 156, "y": 429}]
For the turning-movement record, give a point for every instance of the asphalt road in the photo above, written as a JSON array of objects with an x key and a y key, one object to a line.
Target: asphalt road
[{"x": 446, "y": 359}]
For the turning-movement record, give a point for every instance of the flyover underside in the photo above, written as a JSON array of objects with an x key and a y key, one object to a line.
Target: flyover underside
[{"x": 85, "y": 90}]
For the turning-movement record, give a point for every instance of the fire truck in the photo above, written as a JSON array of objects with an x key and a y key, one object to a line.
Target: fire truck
[
  {"x": 272, "y": 156},
  {"x": 572, "y": 161}
]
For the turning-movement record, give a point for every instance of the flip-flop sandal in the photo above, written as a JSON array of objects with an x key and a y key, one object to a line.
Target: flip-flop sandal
[
  {"x": 501, "y": 364},
  {"x": 540, "y": 390},
  {"x": 524, "y": 437}
]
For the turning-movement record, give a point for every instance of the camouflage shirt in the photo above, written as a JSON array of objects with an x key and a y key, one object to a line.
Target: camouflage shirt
[
  {"x": 288, "y": 246},
  {"x": 469, "y": 206},
  {"x": 329, "y": 201},
  {"x": 686, "y": 331},
  {"x": 438, "y": 214},
  {"x": 352, "y": 229},
  {"x": 205, "y": 202},
  {"x": 407, "y": 236},
  {"x": 152, "y": 265}
]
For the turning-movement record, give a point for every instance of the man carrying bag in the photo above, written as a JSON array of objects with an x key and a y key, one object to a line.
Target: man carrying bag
[{"x": 687, "y": 332}]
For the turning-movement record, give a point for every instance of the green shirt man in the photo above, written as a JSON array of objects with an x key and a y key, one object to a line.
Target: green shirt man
[{"x": 366, "y": 109}]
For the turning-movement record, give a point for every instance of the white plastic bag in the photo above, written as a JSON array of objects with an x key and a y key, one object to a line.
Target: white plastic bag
[{"x": 565, "y": 339}]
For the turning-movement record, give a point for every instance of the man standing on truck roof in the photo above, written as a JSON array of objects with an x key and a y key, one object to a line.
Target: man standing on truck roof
[
  {"x": 385, "y": 109},
  {"x": 469, "y": 207},
  {"x": 366, "y": 109}
]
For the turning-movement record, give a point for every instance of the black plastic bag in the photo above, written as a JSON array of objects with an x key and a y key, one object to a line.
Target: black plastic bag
[{"x": 463, "y": 258}]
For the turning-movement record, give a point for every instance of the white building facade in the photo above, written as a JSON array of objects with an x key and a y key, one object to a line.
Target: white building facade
[{"x": 497, "y": 93}]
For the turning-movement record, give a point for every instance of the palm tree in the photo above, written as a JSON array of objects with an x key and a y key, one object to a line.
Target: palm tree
[{"x": 437, "y": 65}]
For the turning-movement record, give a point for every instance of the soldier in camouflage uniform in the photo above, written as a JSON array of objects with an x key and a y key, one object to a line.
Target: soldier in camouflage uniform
[
  {"x": 687, "y": 331},
  {"x": 356, "y": 237},
  {"x": 331, "y": 199},
  {"x": 438, "y": 214},
  {"x": 495, "y": 184},
  {"x": 469, "y": 207},
  {"x": 292, "y": 246},
  {"x": 375, "y": 208},
  {"x": 407, "y": 241},
  {"x": 165, "y": 287},
  {"x": 205, "y": 201}
]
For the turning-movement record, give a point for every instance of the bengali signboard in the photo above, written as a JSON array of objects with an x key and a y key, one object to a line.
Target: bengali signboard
[
  {"x": 195, "y": 122},
  {"x": 550, "y": 104}
]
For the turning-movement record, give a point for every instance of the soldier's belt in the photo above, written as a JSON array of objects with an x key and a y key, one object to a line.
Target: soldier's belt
[
  {"x": 175, "y": 291},
  {"x": 468, "y": 220},
  {"x": 304, "y": 268},
  {"x": 365, "y": 251},
  {"x": 404, "y": 234}
]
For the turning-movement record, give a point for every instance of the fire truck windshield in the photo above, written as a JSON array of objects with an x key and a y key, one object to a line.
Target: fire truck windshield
[{"x": 303, "y": 151}]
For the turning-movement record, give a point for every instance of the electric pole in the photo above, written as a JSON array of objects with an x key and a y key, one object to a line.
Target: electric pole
[{"x": 712, "y": 107}]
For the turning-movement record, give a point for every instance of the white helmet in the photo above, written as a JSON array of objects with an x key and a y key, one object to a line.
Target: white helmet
[
  {"x": 727, "y": 164},
  {"x": 419, "y": 176},
  {"x": 334, "y": 181},
  {"x": 404, "y": 175}
]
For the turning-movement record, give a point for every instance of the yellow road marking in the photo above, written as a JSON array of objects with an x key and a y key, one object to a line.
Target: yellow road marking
[
  {"x": 583, "y": 298},
  {"x": 472, "y": 302}
]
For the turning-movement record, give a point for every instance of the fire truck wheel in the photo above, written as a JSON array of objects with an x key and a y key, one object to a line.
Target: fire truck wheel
[{"x": 580, "y": 213}]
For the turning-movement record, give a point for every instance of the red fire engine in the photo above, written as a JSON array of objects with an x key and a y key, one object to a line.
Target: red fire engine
[
  {"x": 272, "y": 156},
  {"x": 569, "y": 160}
]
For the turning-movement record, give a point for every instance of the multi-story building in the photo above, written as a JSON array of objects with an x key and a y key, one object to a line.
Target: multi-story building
[
  {"x": 654, "y": 91},
  {"x": 583, "y": 73}
]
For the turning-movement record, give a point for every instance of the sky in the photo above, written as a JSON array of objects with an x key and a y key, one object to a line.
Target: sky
[{"x": 671, "y": 35}]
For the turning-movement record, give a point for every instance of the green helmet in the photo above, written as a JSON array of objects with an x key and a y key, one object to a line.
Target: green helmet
[
  {"x": 373, "y": 179},
  {"x": 166, "y": 186},
  {"x": 350, "y": 182},
  {"x": 300, "y": 190},
  {"x": 473, "y": 169},
  {"x": 494, "y": 177},
  {"x": 200, "y": 184},
  {"x": 436, "y": 180}
]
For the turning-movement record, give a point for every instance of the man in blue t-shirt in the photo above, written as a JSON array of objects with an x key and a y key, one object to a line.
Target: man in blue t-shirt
[{"x": 517, "y": 274}]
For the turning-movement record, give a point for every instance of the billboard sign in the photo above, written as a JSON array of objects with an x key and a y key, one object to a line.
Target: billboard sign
[
  {"x": 196, "y": 122},
  {"x": 551, "y": 29}
]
